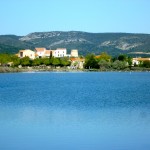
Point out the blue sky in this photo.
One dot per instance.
(21, 17)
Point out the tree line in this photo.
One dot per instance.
(5, 59)
(107, 62)
(92, 61)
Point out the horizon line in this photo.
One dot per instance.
(76, 31)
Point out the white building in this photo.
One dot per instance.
(137, 61)
(48, 53)
(60, 52)
(74, 53)
(26, 53)
(40, 52)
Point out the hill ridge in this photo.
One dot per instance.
(85, 42)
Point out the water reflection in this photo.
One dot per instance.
(67, 111)
(69, 128)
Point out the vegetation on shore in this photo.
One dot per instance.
(14, 61)
(102, 62)
(105, 62)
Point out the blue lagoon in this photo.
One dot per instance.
(75, 111)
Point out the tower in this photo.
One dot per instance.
(74, 53)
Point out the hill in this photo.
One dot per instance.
(113, 43)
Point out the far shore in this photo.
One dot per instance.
(62, 69)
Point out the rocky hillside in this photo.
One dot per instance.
(113, 43)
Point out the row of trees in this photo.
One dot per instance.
(105, 61)
(26, 61)
(145, 64)
(45, 61)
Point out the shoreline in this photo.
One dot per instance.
(30, 69)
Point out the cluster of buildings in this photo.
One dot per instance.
(43, 52)
(76, 61)
(62, 52)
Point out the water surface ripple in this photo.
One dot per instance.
(75, 111)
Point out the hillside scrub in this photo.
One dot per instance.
(85, 42)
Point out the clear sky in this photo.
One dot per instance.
(21, 17)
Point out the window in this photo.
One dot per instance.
(21, 54)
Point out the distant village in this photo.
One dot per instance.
(43, 52)
(62, 52)
(58, 53)
(60, 59)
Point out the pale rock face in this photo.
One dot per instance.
(126, 46)
(68, 41)
(41, 35)
(107, 43)
(121, 43)
(61, 39)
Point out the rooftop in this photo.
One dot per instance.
(141, 59)
(40, 49)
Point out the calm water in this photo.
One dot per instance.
(75, 111)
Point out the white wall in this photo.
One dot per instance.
(60, 52)
(28, 53)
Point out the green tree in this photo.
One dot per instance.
(51, 54)
(15, 60)
(122, 58)
(51, 60)
(104, 56)
(36, 62)
(65, 61)
(130, 61)
(91, 62)
(56, 62)
(119, 65)
(4, 58)
(146, 64)
(103, 64)
(25, 61)
(46, 61)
